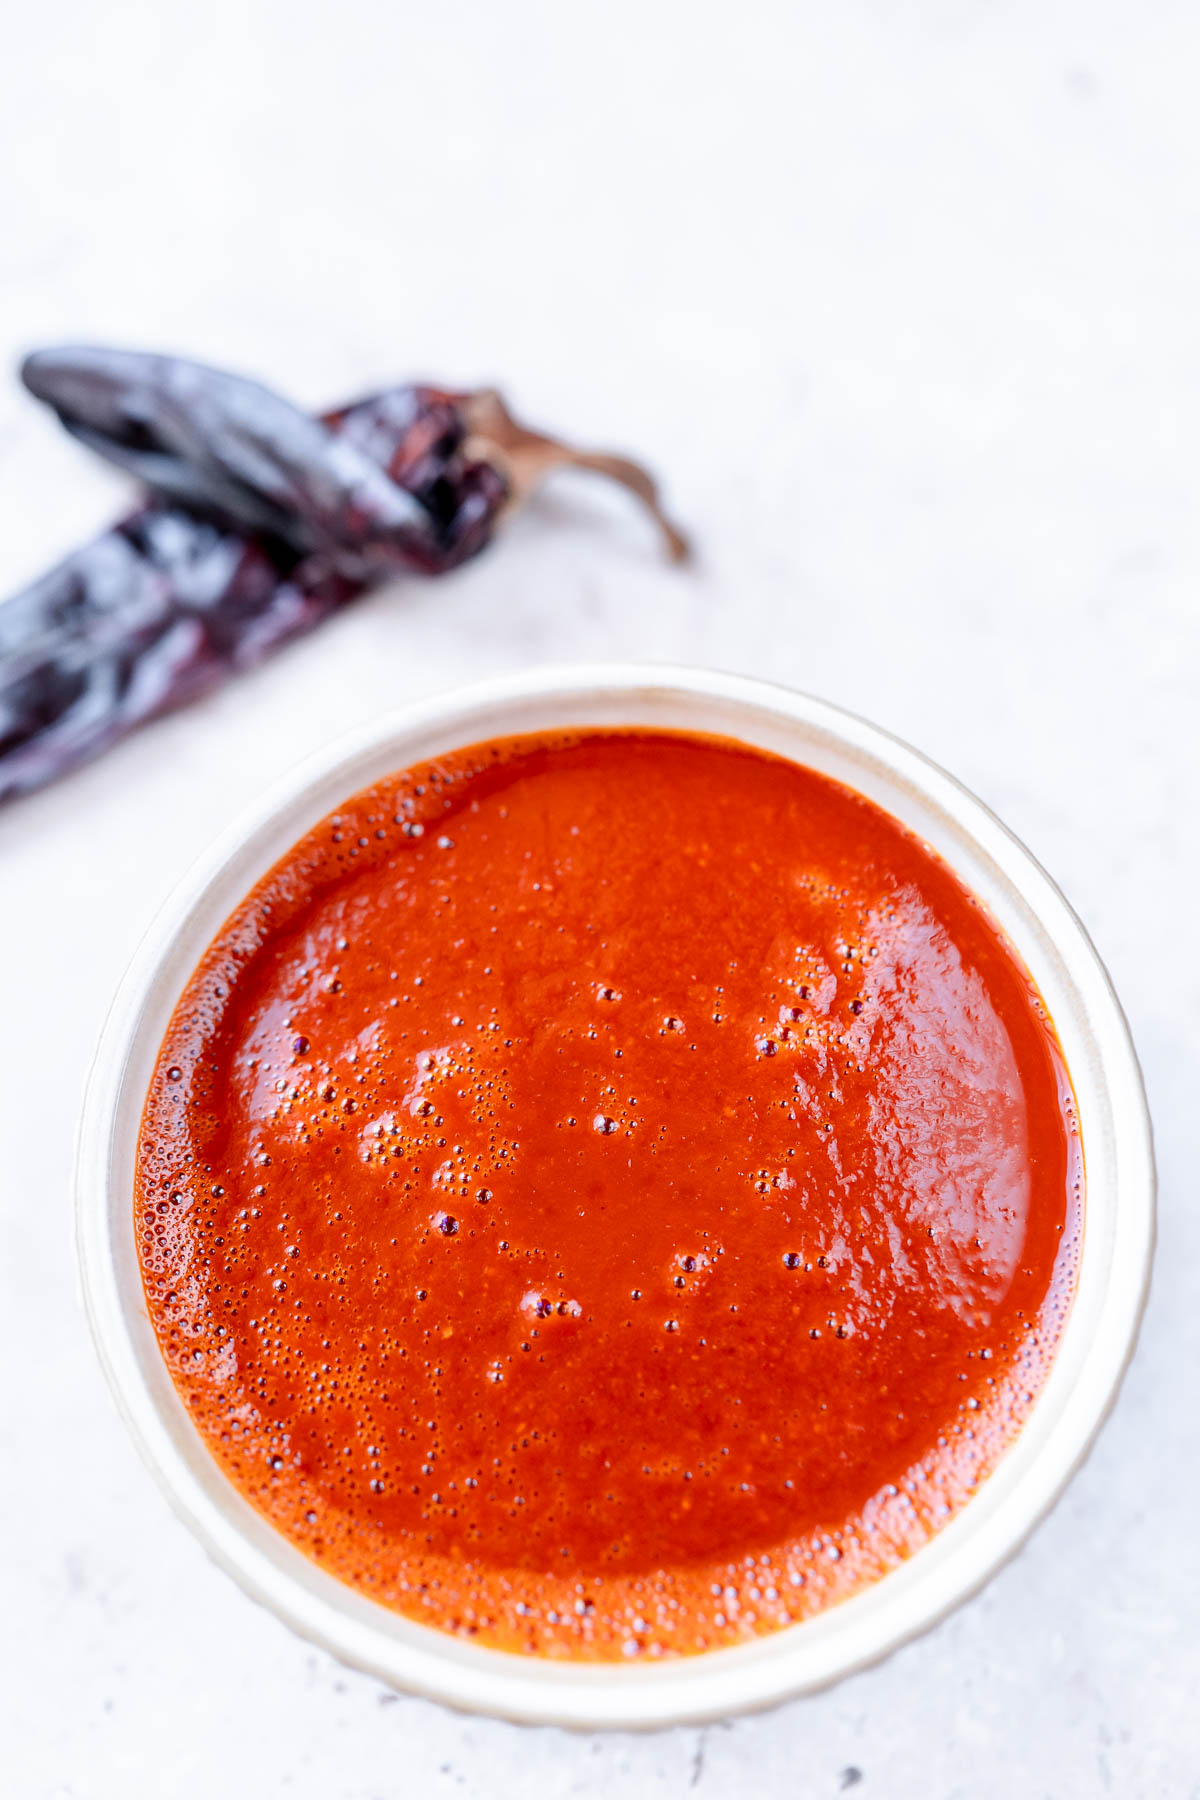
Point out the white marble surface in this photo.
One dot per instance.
(903, 299)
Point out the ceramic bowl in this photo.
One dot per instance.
(1095, 1347)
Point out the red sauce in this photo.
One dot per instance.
(609, 1194)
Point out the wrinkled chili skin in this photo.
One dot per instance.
(178, 597)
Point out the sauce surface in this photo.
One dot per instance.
(609, 1195)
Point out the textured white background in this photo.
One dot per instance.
(904, 299)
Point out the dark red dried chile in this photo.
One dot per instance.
(261, 522)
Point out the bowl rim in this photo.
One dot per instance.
(1098, 1339)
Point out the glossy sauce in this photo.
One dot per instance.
(609, 1195)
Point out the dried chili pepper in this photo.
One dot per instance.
(260, 522)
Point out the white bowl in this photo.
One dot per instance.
(1094, 1350)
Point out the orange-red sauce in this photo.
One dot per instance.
(608, 1194)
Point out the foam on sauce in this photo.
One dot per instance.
(609, 1195)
